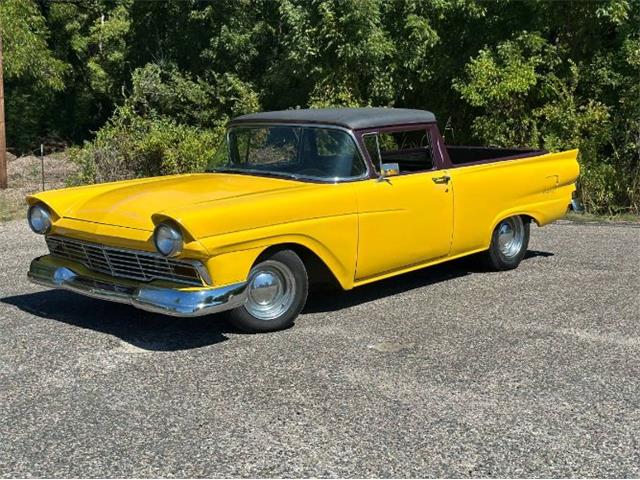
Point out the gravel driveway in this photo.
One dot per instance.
(450, 371)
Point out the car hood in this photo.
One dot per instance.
(133, 203)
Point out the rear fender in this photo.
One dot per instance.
(542, 213)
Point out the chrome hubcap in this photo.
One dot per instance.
(271, 290)
(511, 236)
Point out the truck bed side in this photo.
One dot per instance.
(485, 193)
(466, 155)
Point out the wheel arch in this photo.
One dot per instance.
(530, 218)
(232, 263)
(527, 216)
(318, 270)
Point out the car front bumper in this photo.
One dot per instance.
(178, 302)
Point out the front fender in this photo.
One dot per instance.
(333, 241)
(234, 232)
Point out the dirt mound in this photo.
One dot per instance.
(28, 171)
(25, 177)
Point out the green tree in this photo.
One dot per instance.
(27, 56)
(553, 75)
(31, 71)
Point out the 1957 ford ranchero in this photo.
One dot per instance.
(293, 197)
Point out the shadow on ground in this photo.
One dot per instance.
(329, 301)
(156, 332)
(142, 329)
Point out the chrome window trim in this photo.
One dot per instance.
(197, 265)
(377, 137)
(365, 175)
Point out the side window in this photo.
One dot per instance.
(410, 149)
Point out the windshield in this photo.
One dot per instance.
(317, 153)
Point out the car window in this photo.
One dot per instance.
(266, 146)
(332, 142)
(333, 152)
(297, 152)
(410, 149)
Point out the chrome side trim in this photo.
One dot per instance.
(168, 301)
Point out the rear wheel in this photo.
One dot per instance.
(509, 243)
(276, 293)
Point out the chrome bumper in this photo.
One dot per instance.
(169, 301)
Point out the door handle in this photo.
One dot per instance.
(442, 179)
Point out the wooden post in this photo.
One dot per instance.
(3, 138)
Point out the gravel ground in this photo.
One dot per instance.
(449, 371)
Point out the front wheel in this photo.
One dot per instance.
(276, 293)
(509, 244)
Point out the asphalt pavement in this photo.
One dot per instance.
(450, 371)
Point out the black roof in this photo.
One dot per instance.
(353, 118)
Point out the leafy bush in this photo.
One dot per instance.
(525, 94)
(204, 102)
(169, 124)
(131, 146)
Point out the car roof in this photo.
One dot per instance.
(353, 118)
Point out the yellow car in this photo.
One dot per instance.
(295, 197)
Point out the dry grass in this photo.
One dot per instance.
(25, 177)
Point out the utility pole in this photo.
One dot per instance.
(3, 138)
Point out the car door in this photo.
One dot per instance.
(404, 219)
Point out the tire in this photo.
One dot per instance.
(276, 294)
(509, 243)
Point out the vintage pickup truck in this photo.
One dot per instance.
(295, 197)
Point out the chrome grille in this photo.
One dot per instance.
(132, 264)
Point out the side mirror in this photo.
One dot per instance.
(390, 169)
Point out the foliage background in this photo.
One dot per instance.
(145, 87)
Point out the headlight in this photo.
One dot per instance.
(168, 239)
(39, 219)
